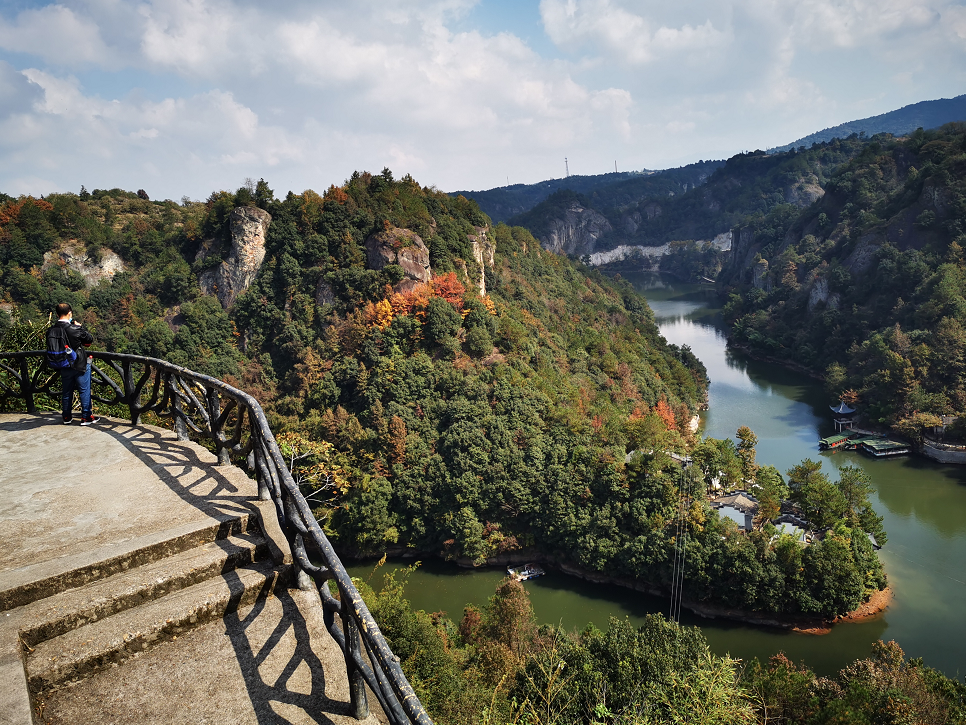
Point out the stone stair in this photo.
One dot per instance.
(80, 622)
(147, 584)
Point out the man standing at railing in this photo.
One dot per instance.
(76, 374)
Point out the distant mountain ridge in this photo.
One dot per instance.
(613, 189)
(648, 210)
(925, 115)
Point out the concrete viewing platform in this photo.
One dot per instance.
(141, 583)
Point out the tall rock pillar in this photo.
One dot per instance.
(231, 278)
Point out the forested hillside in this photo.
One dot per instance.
(443, 386)
(868, 284)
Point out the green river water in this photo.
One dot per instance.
(923, 503)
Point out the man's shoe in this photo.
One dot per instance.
(68, 419)
(91, 420)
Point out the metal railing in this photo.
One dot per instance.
(235, 425)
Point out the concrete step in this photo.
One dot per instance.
(53, 616)
(80, 652)
(30, 583)
(271, 662)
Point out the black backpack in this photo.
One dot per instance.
(60, 356)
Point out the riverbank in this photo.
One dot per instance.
(803, 624)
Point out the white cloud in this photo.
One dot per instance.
(849, 23)
(609, 28)
(17, 93)
(57, 35)
(191, 95)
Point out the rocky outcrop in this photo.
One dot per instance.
(483, 253)
(863, 256)
(820, 295)
(631, 223)
(804, 193)
(323, 293)
(577, 232)
(231, 278)
(402, 247)
(723, 241)
(646, 255)
(760, 274)
(75, 258)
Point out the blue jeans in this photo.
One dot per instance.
(71, 379)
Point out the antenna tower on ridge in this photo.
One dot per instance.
(567, 167)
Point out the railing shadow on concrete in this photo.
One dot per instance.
(234, 425)
(267, 694)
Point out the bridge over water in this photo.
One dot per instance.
(145, 579)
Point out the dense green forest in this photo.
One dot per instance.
(498, 666)
(868, 284)
(534, 419)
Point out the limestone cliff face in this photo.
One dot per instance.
(820, 295)
(75, 258)
(231, 278)
(402, 247)
(483, 253)
(576, 232)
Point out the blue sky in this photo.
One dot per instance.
(183, 97)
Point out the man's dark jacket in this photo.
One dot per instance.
(78, 338)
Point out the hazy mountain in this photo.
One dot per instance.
(925, 114)
(616, 189)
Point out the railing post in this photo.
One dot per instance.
(214, 412)
(27, 386)
(179, 426)
(264, 491)
(358, 701)
(127, 381)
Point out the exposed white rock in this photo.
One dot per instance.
(231, 278)
(626, 251)
(819, 294)
(483, 253)
(402, 247)
(577, 232)
(74, 257)
(722, 241)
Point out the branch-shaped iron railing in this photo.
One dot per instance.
(234, 424)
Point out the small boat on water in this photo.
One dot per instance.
(527, 571)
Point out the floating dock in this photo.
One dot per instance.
(874, 445)
(883, 448)
(527, 571)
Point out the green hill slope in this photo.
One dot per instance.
(868, 283)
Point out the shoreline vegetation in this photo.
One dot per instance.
(868, 610)
(497, 664)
